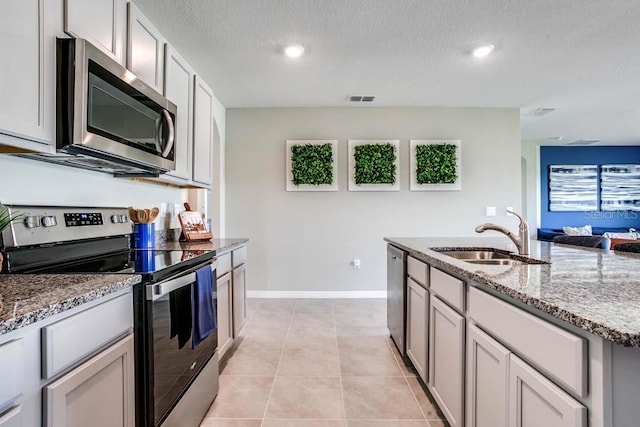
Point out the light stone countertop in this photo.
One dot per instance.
(29, 298)
(595, 290)
(219, 246)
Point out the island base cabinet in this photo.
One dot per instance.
(487, 380)
(225, 322)
(239, 300)
(98, 393)
(12, 417)
(534, 401)
(417, 326)
(446, 360)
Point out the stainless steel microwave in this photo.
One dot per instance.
(107, 119)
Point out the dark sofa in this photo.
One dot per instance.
(547, 234)
(628, 247)
(599, 242)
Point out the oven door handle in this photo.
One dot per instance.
(161, 289)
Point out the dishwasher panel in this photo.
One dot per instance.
(396, 296)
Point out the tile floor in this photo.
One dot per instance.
(318, 363)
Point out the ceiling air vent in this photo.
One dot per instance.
(539, 112)
(361, 98)
(584, 142)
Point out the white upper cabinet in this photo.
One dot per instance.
(178, 88)
(203, 132)
(102, 22)
(145, 49)
(27, 73)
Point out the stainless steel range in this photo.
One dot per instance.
(176, 378)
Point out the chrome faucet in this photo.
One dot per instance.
(521, 241)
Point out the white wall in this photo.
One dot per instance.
(217, 195)
(531, 188)
(26, 181)
(303, 241)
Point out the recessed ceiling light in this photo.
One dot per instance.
(482, 51)
(294, 51)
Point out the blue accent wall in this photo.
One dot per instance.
(585, 156)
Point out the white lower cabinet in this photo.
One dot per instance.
(239, 299)
(225, 322)
(534, 401)
(487, 380)
(469, 358)
(98, 393)
(12, 417)
(446, 360)
(417, 326)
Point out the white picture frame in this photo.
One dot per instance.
(413, 180)
(290, 186)
(352, 144)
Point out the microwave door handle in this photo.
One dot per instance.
(159, 134)
(172, 134)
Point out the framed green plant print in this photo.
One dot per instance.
(312, 165)
(436, 165)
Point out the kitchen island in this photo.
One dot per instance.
(553, 342)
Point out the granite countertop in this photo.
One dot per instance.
(219, 246)
(28, 298)
(596, 290)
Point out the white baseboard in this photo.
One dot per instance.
(317, 294)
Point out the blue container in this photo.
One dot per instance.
(145, 261)
(144, 235)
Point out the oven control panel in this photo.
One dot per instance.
(80, 219)
(38, 225)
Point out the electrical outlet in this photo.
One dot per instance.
(356, 264)
(490, 211)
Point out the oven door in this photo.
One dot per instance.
(171, 364)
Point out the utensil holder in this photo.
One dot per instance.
(144, 235)
(145, 261)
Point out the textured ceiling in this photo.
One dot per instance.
(581, 57)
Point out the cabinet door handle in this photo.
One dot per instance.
(394, 257)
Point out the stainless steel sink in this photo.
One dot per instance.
(476, 255)
(489, 256)
(495, 261)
